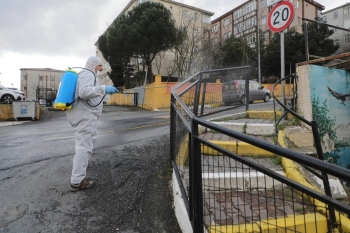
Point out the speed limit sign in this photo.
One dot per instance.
(280, 16)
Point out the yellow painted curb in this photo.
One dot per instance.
(240, 148)
(182, 154)
(300, 223)
(292, 171)
(257, 114)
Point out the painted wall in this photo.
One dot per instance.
(157, 95)
(326, 92)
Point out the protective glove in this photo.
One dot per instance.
(111, 90)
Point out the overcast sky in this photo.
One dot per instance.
(61, 33)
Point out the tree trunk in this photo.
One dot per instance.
(149, 72)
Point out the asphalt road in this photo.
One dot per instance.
(130, 166)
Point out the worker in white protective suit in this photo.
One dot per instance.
(84, 115)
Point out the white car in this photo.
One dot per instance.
(8, 95)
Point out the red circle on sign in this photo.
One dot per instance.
(275, 9)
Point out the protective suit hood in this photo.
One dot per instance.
(92, 62)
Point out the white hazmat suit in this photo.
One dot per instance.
(84, 116)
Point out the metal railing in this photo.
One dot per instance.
(45, 96)
(226, 192)
(313, 124)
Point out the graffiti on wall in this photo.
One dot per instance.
(330, 97)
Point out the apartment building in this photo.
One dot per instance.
(31, 78)
(247, 18)
(182, 14)
(339, 16)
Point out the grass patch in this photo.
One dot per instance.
(244, 129)
(223, 119)
(277, 160)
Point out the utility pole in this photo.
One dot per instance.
(258, 36)
(282, 68)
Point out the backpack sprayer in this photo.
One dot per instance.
(66, 90)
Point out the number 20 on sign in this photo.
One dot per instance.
(281, 16)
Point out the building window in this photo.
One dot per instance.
(184, 14)
(214, 28)
(263, 20)
(24, 88)
(347, 39)
(251, 38)
(206, 18)
(336, 15)
(52, 79)
(346, 10)
(263, 3)
(24, 77)
(41, 78)
(336, 41)
(299, 20)
(195, 16)
(235, 15)
(227, 35)
(324, 19)
(142, 1)
(227, 22)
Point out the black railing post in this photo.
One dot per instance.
(246, 89)
(197, 180)
(172, 128)
(327, 189)
(203, 97)
(136, 99)
(191, 189)
(196, 96)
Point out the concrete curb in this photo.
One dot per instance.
(10, 123)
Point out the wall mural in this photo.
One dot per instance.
(330, 98)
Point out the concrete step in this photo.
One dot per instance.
(248, 123)
(228, 174)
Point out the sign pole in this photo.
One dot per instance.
(280, 17)
(282, 68)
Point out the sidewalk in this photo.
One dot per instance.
(10, 123)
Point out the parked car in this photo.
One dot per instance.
(8, 95)
(234, 91)
(17, 90)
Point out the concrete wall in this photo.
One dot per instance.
(323, 96)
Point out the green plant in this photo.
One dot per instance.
(299, 210)
(275, 139)
(282, 126)
(325, 124)
(295, 121)
(277, 160)
(244, 129)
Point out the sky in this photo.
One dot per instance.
(58, 34)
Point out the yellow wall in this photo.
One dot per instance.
(157, 94)
(122, 99)
(6, 112)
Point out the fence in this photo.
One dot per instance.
(224, 192)
(45, 96)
